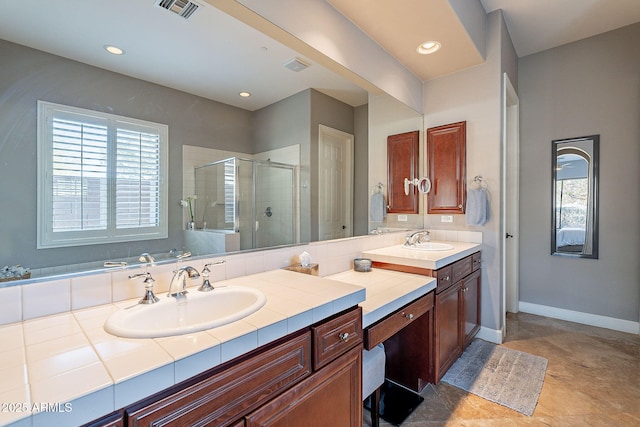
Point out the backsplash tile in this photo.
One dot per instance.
(42, 299)
(10, 304)
(57, 296)
(88, 291)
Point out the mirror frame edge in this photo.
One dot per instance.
(594, 208)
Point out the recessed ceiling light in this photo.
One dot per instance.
(428, 47)
(113, 49)
(245, 94)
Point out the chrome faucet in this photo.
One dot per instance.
(417, 237)
(179, 280)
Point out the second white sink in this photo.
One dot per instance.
(197, 312)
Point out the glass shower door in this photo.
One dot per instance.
(275, 205)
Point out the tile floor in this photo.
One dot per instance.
(592, 379)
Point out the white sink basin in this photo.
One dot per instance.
(197, 312)
(431, 246)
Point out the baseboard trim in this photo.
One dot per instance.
(492, 335)
(579, 317)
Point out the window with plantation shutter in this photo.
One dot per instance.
(100, 177)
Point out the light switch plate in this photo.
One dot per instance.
(446, 218)
(402, 218)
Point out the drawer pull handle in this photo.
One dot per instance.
(408, 316)
(344, 336)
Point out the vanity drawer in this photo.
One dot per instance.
(390, 325)
(444, 279)
(475, 261)
(461, 269)
(334, 337)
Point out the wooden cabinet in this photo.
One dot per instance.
(312, 377)
(331, 397)
(448, 345)
(470, 290)
(457, 311)
(222, 396)
(402, 162)
(446, 154)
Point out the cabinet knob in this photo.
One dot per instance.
(408, 316)
(344, 336)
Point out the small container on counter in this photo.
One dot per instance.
(362, 264)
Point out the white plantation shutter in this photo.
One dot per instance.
(230, 191)
(79, 176)
(137, 179)
(100, 177)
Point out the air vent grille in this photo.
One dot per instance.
(184, 8)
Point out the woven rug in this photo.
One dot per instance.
(507, 377)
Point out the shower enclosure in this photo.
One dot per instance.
(254, 198)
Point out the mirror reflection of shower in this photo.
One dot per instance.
(254, 199)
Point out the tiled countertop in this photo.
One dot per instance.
(387, 291)
(433, 260)
(66, 370)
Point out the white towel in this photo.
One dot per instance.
(378, 207)
(477, 207)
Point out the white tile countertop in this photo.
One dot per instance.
(65, 369)
(433, 260)
(387, 290)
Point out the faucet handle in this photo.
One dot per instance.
(206, 284)
(149, 297)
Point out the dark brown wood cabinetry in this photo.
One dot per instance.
(330, 397)
(446, 154)
(407, 335)
(457, 311)
(403, 151)
(310, 376)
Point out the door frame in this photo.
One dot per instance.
(510, 200)
(348, 202)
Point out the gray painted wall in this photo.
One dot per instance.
(27, 75)
(588, 87)
(474, 95)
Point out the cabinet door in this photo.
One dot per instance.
(330, 397)
(448, 343)
(446, 151)
(471, 301)
(239, 387)
(402, 162)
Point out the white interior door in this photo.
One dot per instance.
(511, 146)
(335, 188)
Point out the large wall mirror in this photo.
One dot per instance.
(575, 197)
(193, 90)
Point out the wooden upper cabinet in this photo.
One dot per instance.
(446, 152)
(403, 151)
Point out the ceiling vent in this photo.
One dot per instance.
(296, 64)
(184, 8)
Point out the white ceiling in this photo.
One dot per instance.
(534, 25)
(215, 56)
(211, 54)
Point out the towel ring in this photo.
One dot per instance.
(480, 182)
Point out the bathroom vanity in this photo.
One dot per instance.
(456, 303)
(314, 372)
